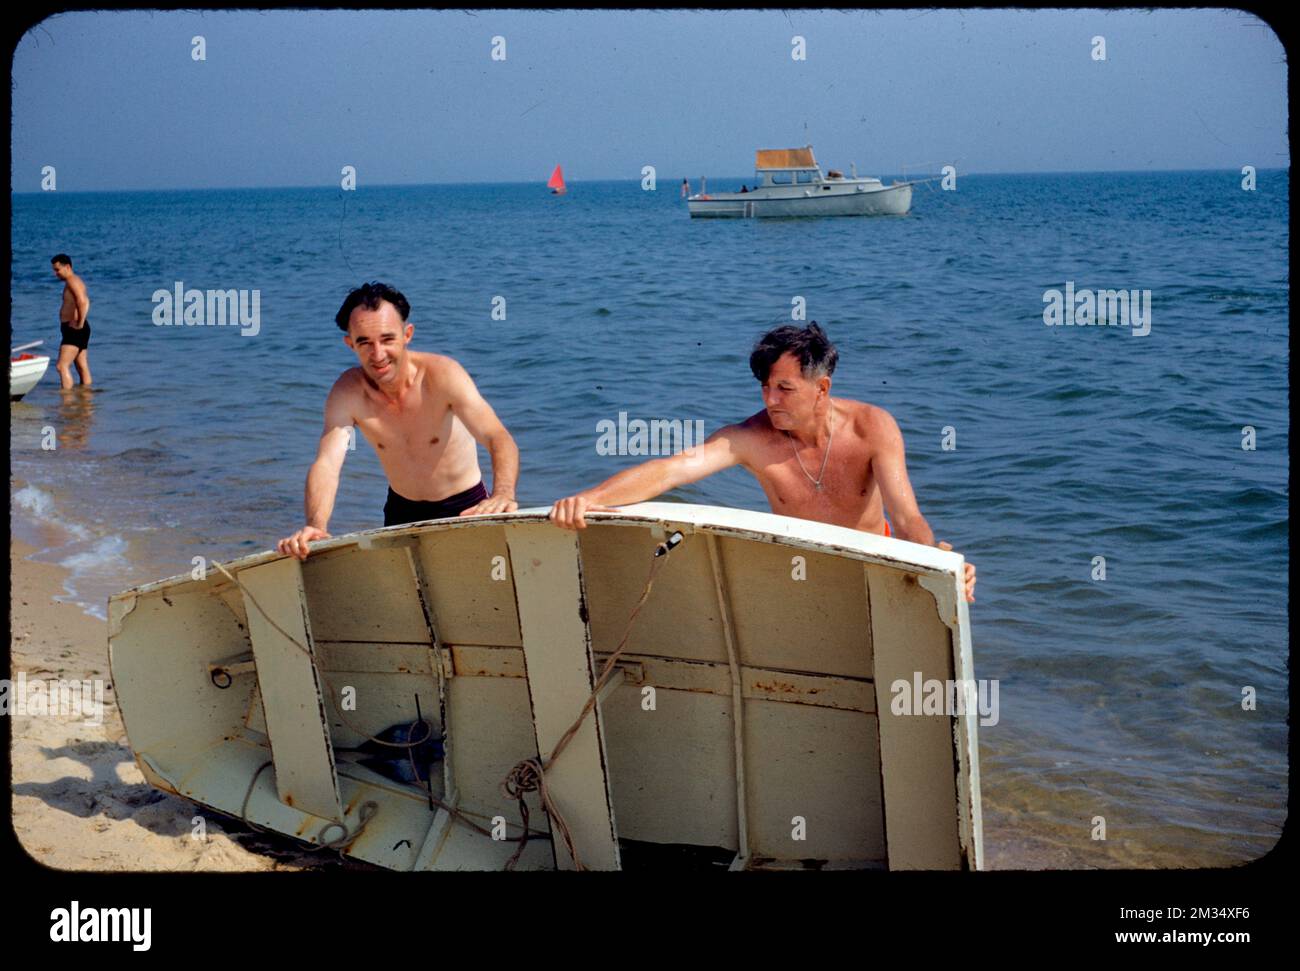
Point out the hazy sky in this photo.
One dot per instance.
(116, 100)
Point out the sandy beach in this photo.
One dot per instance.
(79, 800)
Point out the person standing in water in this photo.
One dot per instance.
(423, 415)
(796, 432)
(74, 329)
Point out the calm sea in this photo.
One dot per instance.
(1119, 698)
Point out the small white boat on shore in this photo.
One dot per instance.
(791, 183)
(746, 718)
(25, 370)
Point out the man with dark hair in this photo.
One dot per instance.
(787, 447)
(423, 415)
(74, 331)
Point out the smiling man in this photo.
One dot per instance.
(832, 460)
(423, 415)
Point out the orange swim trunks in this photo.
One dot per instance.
(887, 531)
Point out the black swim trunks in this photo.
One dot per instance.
(399, 510)
(78, 337)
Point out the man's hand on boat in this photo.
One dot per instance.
(296, 545)
(970, 573)
(505, 502)
(568, 513)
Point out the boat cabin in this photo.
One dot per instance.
(786, 166)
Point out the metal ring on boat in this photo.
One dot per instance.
(221, 672)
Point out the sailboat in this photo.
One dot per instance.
(556, 183)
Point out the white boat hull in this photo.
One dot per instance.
(24, 375)
(817, 200)
(751, 720)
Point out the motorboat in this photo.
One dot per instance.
(791, 183)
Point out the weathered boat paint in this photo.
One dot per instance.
(767, 647)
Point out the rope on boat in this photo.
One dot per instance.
(248, 793)
(529, 775)
(461, 816)
(319, 673)
(369, 810)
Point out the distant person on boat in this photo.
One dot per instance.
(832, 460)
(744, 188)
(686, 188)
(74, 330)
(423, 415)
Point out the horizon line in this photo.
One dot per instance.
(542, 184)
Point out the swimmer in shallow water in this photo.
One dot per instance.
(74, 329)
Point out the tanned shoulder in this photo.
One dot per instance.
(348, 384)
(431, 360)
(438, 370)
(865, 414)
(869, 422)
(878, 425)
(756, 423)
(749, 435)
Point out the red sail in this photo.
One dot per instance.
(557, 180)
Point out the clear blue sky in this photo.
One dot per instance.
(115, 101)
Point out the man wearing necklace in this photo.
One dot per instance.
(798, 428)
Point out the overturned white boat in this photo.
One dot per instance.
(746, 719)
(791, 183)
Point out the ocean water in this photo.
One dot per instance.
(1119, 698)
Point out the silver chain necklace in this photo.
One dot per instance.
(817, 482)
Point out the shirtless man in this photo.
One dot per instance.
(788, 447)
(421, 412)
(74, 331)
